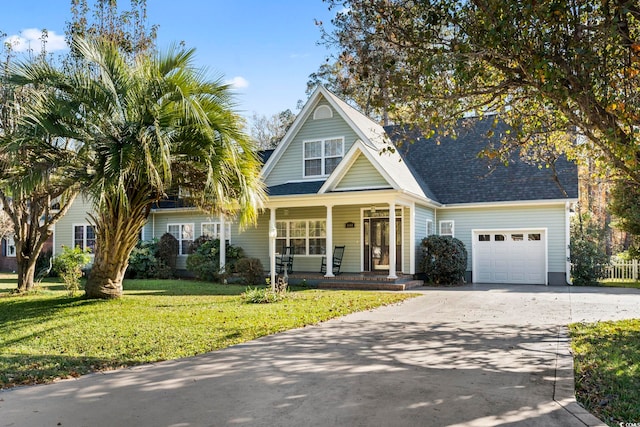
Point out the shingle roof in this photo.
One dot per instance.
(264, 155)
(456, 174)
(310, 187)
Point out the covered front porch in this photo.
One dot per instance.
(359, 221)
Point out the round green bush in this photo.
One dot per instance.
(444, 260)
(587, 262)
(251, 271)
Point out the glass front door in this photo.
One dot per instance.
(376, 244)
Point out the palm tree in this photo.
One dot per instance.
(143, 127)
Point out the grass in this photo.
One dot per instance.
(607, 369)
(49, 335)
(618, 284)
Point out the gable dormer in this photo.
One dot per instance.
(314, 146)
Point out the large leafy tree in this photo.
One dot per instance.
(36, 189)
(625, 205)
(541, 66)
(127, 28)
(143, 127)
(268, 131)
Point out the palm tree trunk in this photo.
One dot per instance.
(105, 279)
(117, 231)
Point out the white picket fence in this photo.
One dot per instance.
(618, 270)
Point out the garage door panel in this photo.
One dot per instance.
(510, 257)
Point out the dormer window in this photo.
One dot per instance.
(322, 156)
(322, 112)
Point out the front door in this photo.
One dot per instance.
(376, 244)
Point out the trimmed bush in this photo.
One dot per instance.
(587, 262)
(251, 271)
(168, 250)
(145, 264)
(444, 260)
(204, 259)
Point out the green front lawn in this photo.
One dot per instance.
(618, 284)
(49, 335)
(607, 369)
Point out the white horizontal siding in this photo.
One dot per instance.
(362, 174)
(422, 215)
(501, 218)
(290, 165)
(77, 214)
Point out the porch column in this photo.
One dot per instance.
(412, 238)
(329, 246)
(223, 243)
(392, 241)
(272, 247)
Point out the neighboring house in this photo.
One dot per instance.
(8, 260)
(330, 183)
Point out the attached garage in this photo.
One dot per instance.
(510, 256)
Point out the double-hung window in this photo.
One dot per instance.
(84, 237)
(184, 234)
(9, 249)
(308, 237)
(429, 227)
(212, 230)
(446, 228)
(322, 156)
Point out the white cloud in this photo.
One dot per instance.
(238, 82)
(29, 39)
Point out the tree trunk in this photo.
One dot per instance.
(105, 278)
(26, 273)
(117, 231)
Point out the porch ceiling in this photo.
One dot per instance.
(365, 197)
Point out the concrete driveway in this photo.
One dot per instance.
(477, 355)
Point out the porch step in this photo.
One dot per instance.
(371, 285)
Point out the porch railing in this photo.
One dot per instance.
(618, 270)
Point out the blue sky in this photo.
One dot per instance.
(269, 47)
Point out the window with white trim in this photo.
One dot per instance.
(9, 247)
(84, 237)
(308, 237)
(446, 228)
(184, 234)
(429, 227)
(322, 156)
(212, 230)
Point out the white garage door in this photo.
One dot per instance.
(516, 256)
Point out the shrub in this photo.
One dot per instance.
(142, 260)
(587, 262)
(262, 296)
(444, 260)
(69, 266)
(145, 264)
(204, 259)
(250, 270)
(168, 250)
